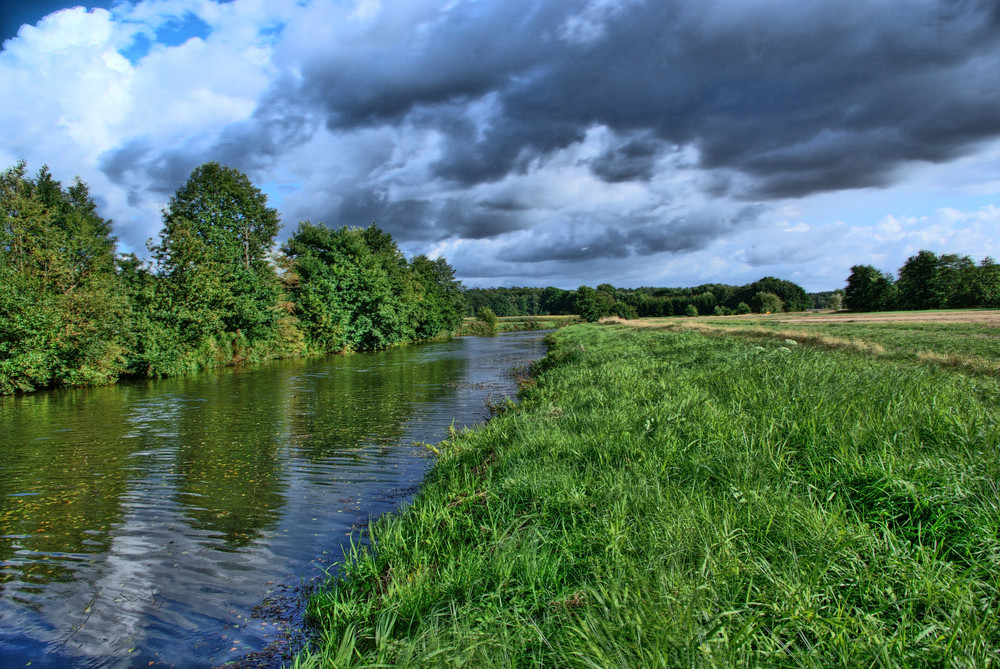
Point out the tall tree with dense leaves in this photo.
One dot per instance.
(351, 287)
(438, 300)
(919, 283)
(956, 277)
(987, 285)
(869, 289)
(594, 304)
(58, 287)
(222, 291)
(767, 303)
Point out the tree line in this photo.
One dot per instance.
(925, 281)
(73, 311)
(767, 295)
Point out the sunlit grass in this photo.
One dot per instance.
(971, 347)
(670, 499)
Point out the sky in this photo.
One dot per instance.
(566, 142)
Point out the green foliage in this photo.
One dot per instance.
(74, 314)
(986, 289)
(351, 287)
(926, 281)
(676, 500)
(919, 284)
(868, 289)
(593, 305)
(830, 299)
(767, 303)
(59, 293)
(487, 319)
(214, 258)
(438, 303)
(743, 308)
(606, 300)
(690, 310)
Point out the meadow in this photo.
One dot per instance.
(474, 326)
(680, 495)
(966, 339)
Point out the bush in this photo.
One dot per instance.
(767, 303)
(486, 316)
(691, 310)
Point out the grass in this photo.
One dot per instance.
(972, 347)
(472, 326)
(670, 498)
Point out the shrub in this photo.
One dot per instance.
(486, 316)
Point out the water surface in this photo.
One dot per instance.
(149, 524)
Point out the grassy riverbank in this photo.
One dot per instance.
(676, 498)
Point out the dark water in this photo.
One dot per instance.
(144, 525)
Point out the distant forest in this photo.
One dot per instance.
(74, 312)
(765, 295)
(925, 281)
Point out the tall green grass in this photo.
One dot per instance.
(669, 499)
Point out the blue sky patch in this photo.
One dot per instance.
(176, 31)
(137, 50)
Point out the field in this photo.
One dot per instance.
(702, 493)
(472, 326)
(968, 339)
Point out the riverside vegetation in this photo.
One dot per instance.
(73, 312)
(671, 497)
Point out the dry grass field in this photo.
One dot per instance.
(979, 316)
(960, 339)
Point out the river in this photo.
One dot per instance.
(163, 523)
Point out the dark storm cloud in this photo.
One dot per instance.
(420, 220)
(249, 146)
(771, 99)
(608, 243)
(633, 160)
(754, 86)
(643, 238)
(136, 161)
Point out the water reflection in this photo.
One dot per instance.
(140, 524)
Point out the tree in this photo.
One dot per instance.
(486, 316)
(987, 285)
(956, 278)
(439, 301)
(767, 303)
(593, 305)
(351, 287)
(214, 254)
(869, 289)
(690, 310)
(919, 284)
(59, 294)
